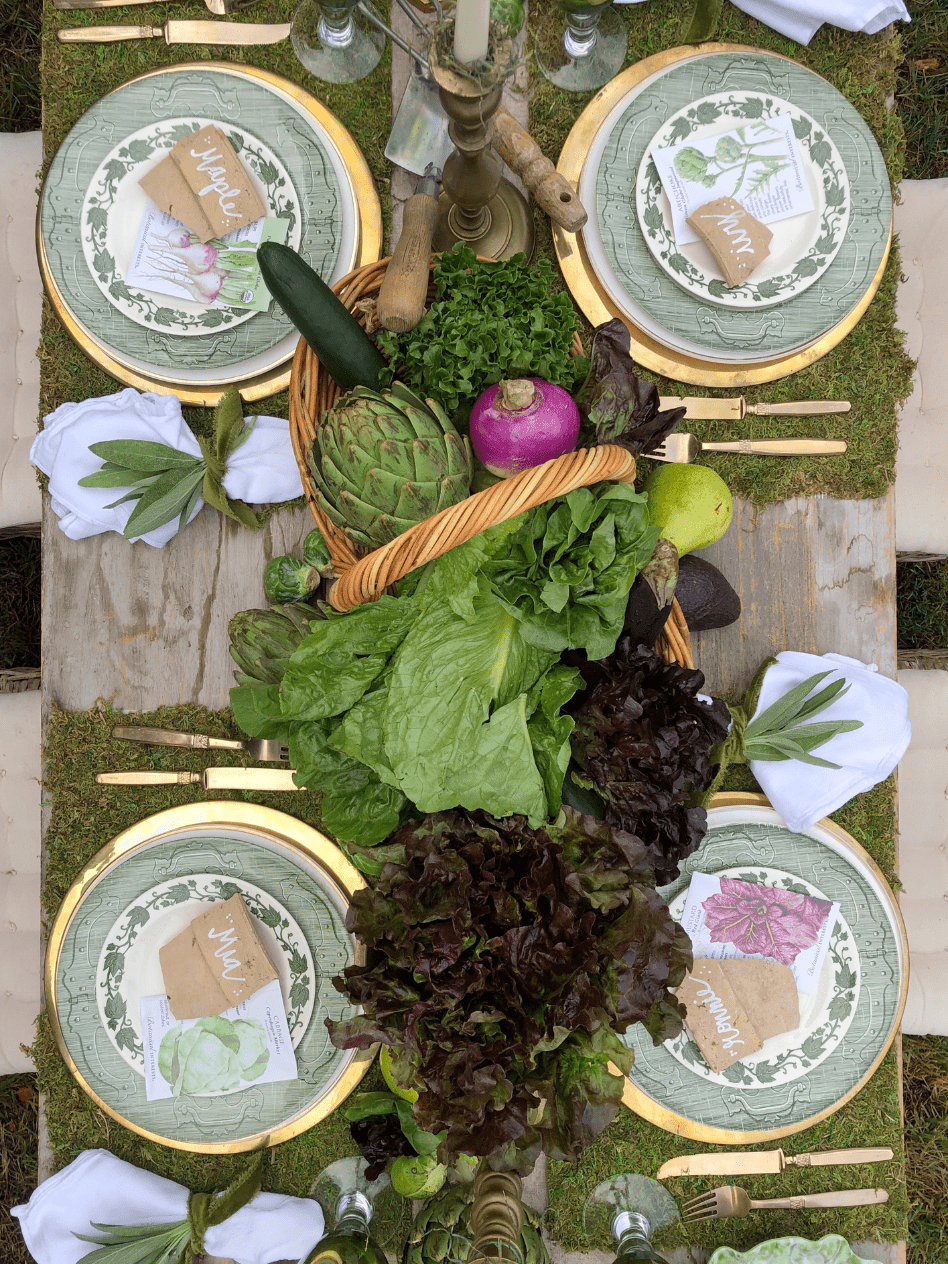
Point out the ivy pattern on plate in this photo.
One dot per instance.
(111, 988)
(105, 190)
(827, 225)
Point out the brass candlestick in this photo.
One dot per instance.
(477, 204)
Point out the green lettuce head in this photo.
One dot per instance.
(214, 1055)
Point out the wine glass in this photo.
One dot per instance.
(334, 42)
(630, 1208)
(355, 1232)
(590, 51)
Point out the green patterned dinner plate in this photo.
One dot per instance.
(802, 247)
(263, 112)
(641, 288)
(134, 893)
(825, 1015)
(129, 967)
(831, 1249)
(847, 1025)
(113, 209)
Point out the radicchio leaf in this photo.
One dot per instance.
(616, 405)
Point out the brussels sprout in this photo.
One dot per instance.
(214, 1055)
(316, 553)
(288, 579)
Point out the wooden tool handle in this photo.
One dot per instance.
(780, 447)
(839, 1198)
(401, 301)
(801, 408)
(107, 34)
(523, 155)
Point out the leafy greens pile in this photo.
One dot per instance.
(507, 959)
(488, 321)
(643, 741)
(450, 694)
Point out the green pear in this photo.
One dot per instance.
(690, 504)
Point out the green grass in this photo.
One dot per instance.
(20, 106)
(922, 90)
(922, 605)
(20, 569)
(925, 1078)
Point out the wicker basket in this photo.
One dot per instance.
(19, 680)
(365, 578)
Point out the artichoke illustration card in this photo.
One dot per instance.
(244, 1046)
(759, 164)
(729, 919)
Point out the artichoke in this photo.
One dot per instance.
(261, 641)
(383, 462)
(442, 1234)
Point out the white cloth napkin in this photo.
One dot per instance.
(98, 1188)
(801, 19)
(803, 793)
(263, 469)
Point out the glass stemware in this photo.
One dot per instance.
(630, 1208)
(355, 1231)
(590, 51)
(334, 42)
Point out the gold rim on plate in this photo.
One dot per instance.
(293, 836)
(646, 1107)
(597, 305)
(366, 199)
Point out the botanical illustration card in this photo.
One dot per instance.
(758, 164)
(728, 918)
(249, 1044)
(223, 272)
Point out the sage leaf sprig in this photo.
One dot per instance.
(168, 483)
(138, 1244)
(781, 731)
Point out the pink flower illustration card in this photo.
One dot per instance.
(728, 918)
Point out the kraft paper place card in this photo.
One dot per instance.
(729, 918)
(203, 184)
(739, 242)
(759, 164)
(216, 962)
(768, 992)
(722, 1029)
(246, 1045)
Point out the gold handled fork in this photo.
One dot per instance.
(731, 1200)
(684, 448)
(266, 750)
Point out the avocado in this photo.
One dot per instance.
(707, 600)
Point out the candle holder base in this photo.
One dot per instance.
(508, 227)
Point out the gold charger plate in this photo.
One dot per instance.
(745, 831)
(304, 112)
(304, 873)
(598, 305)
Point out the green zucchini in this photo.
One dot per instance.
(336, 337)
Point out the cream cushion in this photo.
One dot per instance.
(20, 937)
(921, 468)
(923, 851)
(21, 156)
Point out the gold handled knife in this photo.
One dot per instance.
(181, 31)
(743, 1163)
(737, 408)
(210, 778)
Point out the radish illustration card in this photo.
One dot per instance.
(728, 918)
(168, 259)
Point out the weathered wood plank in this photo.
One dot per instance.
(144, 627)
(815, 575)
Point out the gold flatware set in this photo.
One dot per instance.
(264, 749)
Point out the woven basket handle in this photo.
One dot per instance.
(366, 579)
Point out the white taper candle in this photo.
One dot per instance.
(471, 29)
